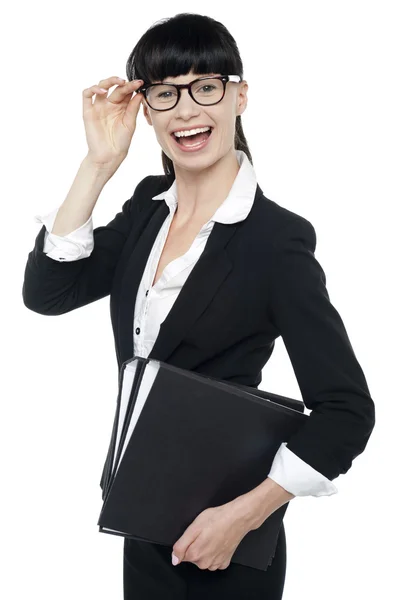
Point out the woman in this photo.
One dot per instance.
(216, 272)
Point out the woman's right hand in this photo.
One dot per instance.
(110, 122)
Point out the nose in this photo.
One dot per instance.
(186, 104)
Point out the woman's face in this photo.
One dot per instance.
(188, 114)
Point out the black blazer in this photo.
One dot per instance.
(255, 280)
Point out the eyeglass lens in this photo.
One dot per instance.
(206, 91)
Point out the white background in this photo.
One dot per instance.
(322, 127)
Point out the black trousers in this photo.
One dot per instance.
(148, 574)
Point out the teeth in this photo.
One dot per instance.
(190, 132)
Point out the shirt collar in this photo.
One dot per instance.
(240, 198)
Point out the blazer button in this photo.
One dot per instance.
(146, 293)
(137, 329)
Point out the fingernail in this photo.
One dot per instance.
(175, 560)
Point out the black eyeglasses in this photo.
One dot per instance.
(205, 91)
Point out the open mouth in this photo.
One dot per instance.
(193, 139)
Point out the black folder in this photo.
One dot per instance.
(182, 442)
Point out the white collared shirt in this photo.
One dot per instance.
(153, 303)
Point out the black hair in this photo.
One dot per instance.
(177, 45)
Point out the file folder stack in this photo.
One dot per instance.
(183, 442)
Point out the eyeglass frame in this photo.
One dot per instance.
(224, 78)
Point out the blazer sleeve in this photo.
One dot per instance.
(331, 381)
(52, 287)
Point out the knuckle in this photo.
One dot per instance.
(191, 556)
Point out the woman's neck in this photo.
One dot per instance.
(200, 194)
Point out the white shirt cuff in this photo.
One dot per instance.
(73, 246)
(298, 477)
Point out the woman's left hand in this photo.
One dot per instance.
(212, 538)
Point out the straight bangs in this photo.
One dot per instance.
(171, 49)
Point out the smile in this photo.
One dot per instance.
(193, 146)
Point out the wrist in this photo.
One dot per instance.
(257, 505)
(108, 168)
(248, 509)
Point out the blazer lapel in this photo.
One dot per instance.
(197, 292)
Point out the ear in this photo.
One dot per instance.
(146, 112)
(242, 98)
